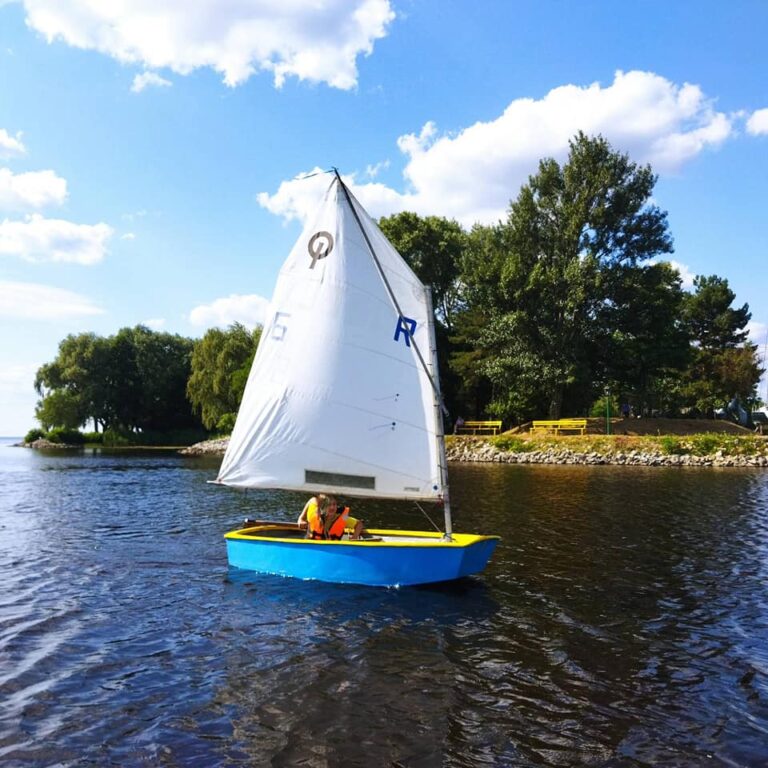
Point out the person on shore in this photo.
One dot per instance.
(323, 518)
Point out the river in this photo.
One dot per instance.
(622, 622)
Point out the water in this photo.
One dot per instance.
(622, 622)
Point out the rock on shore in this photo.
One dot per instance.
(207, 448)
(41, 442)
(485, 452)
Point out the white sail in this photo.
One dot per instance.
(337, 399)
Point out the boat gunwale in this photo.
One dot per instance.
(430, 539)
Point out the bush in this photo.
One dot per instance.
(34, 434)
(66, 436)
(511, 444)
(673, 446)
(114, 437)
(93, 437)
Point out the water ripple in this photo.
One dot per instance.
(622, 623)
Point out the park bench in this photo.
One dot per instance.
(479, 427)
(556, 426)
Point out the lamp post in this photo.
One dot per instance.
(607, 410)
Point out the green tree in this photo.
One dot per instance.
(221, 361)
(134, 380)
(60, 408)
(712, 321)
(544, 274)
(163, 366)
(724, 365)
(78, 370)
(646, 341)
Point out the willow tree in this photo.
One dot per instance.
(221, 361)
(545, 273)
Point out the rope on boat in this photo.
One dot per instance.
(424, 512)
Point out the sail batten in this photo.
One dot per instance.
(339, 387)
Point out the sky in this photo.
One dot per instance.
(152, 151)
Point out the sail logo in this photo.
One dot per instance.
(319, 246)
(407, 327)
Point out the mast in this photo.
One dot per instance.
(438, 409)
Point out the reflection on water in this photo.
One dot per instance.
(622, 622)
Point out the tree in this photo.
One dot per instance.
(724, 365)
(134, 380)
(221, 362)
(61, 408)
(78, 370)
(545, 273)
(646, 340)
(712, 322)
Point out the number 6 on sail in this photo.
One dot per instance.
(332, 405)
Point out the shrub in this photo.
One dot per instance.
(66, 436)
(114, 437)
(34, 434)
(511, 443)
(673, 445)
(93, 437)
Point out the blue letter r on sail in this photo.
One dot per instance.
(407, 327)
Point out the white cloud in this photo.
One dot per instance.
(372, 171)
(11, 146)
(17, 378)
(250, 310)
(316, 41)
(757, 124)
(758, 333)
(128, 236)
(298, 198)
(33, 301)
(155, 323)
(40, 239)
(35, 189)
(686, 274)
(472, 175)
(145, 79)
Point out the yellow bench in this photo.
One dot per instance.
(556, 426)
(479, 427)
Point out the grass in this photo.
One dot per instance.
(704, 444)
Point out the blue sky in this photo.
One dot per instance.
(148, 158)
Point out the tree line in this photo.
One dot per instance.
(570, 300)
(139, 381)
(566, 302)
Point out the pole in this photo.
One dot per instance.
(439, 429)
(607, 411)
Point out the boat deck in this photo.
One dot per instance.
(290, 532)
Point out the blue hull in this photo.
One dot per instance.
(377, 564)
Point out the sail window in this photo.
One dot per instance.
(313, 477)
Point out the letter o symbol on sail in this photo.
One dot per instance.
(319, 246)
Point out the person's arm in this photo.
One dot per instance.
(357, 530)
(302, 521)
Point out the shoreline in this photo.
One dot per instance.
(478, 450)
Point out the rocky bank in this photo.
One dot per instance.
(480, 451)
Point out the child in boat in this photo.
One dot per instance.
(325, 519)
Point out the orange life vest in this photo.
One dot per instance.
(316, 528)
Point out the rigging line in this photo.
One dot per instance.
(423, 512)
(391, 293)
(316, 173)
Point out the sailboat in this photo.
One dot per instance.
(343, 398)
